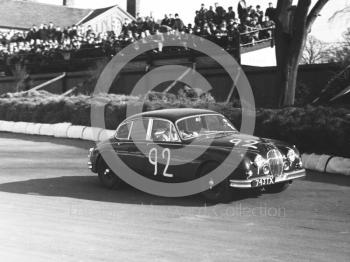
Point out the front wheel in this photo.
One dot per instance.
(107, 178)
(277, 188)
(219, 193)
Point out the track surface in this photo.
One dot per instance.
(53, 209)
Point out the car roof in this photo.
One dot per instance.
(173, 114)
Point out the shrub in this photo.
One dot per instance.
(312, 129)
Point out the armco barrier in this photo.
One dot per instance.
(76, 132)
(92, 133)
(60, 130)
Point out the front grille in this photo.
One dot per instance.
(275, 160)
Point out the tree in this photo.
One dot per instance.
(341, 52)
(293, 24)
(315, 51)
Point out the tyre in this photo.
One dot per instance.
(277, 188)
(107, 178)
(219, 193)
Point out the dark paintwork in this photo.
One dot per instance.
(217, 151)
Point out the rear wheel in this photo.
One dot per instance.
(107, 178)
(219, 193)
(277, 188)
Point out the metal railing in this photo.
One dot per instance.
(80, 59)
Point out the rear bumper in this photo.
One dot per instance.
(252, 183)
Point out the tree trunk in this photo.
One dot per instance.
(288, 55)
(293, 24)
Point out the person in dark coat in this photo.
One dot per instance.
(33, 33)
(230, 14)
(242, 11)
(43, 33)
(51, 31)
(165, 21)
(210, 14)
(220, 14)
(271, 12)
(259, 13)
(178, 24)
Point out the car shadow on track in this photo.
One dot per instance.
(89, 188)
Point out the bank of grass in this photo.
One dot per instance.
(319, 129)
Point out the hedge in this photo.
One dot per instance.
(323, 130)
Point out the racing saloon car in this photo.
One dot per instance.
(267, 164)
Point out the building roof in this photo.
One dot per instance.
(173, 114)
(95, 13)
(18, 14)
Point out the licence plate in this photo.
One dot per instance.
(263, 181)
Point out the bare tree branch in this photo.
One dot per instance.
(314, 13)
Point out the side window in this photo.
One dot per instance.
(164, 131)
(139, 129)
(123, 131)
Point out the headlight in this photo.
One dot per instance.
(291, 155)
(259, 161)
(266, 170)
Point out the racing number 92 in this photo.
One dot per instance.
(153, 159)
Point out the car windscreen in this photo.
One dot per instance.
(196, 126)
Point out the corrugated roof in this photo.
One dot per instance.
(23, 14)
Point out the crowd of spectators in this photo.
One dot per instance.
(221, 26)
(224, 27)
(52, 42)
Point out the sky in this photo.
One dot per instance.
(323, 29)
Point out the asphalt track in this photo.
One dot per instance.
(53, 209)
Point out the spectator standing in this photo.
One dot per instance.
(242, 11)
(178, 24)
(220, 14)
(230, 15)
(43, 32)
(171, 20)
(51, 31)
(165, 21)
(210, 14)
(33, 33)
(259, 14)
(271, 12)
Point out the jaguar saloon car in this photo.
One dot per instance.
(266, 164)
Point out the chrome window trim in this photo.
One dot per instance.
(171, 125)
(149, 128)
(192, 116)
(122, 124)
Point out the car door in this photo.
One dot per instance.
(134, 157)
(164, 161)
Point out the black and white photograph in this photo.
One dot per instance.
(148, 130)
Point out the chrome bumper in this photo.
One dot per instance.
(252, 183)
